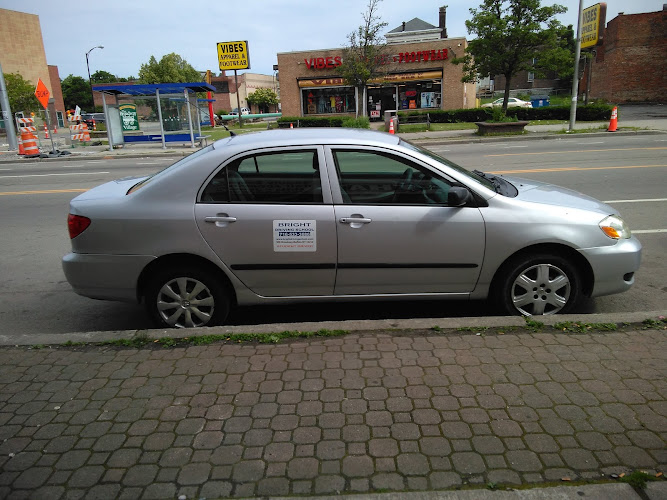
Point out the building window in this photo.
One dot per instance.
(221, 87)
(328, 101)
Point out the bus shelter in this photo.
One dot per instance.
(171, 105)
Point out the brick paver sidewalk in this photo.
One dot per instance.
(389, 411)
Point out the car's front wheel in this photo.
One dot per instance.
(186, 297)
(537, 285)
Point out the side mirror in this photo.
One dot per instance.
(458, 196)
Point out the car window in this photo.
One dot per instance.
(369, 177)
(282, 177)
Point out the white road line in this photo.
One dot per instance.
(647, 200)
(50, 175)
(509, 147)
(599, 142)
(648, 231)
(147, 163)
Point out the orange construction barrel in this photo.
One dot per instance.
(29, 144)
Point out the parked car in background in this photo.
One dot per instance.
(512, 102)
(88, 118)
(244, 111)
(339, 215)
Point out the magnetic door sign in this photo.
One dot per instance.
(294, 236)
(592, 21)
(233, 55)
(42, 93)
(128, 117)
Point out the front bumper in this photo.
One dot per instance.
(106, 277)
(614, 266)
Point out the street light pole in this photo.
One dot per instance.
(90, 81)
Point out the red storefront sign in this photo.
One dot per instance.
(423, 56)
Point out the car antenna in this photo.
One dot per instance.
(231, 132)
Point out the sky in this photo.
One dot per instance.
(131, 31)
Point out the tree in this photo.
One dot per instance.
(513, 36)
(172, 68)
(103, 77)
(363, 57)
(263, 98)
(76, 92)
(21, 93)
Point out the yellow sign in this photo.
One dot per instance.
(592, 21)
(233, 55)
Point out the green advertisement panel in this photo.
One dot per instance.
(128, 117)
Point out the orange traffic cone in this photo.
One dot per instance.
(46, 131)
(613, 123)
(55, 129)
(291, 125)
(21, 150)
(94, 125)
(391, 126)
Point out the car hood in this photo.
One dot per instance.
(113, 189)
(550, 194)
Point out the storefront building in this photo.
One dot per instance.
(417, 76)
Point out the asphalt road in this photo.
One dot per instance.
(628, 172)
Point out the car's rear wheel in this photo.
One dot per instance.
(186, 297)
(537, 285)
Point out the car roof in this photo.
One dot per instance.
(308, 136)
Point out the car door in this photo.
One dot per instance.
(396, 233)
(268, 216)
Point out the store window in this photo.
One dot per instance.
(328, 100)
(420, 95)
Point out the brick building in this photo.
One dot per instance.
(418, 75)
(631, 63)
(22, 52)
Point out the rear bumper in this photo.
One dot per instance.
(106, 277)
(614, 266)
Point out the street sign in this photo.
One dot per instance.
(42, 94)
(593, 21)
(233, 55)
(128, 116)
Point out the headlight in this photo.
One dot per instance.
(615, 227)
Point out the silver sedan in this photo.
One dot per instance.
(338, 215)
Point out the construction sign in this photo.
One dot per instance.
(233, 55)
(592, 22)
(42, 94)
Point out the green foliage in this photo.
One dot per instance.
(172, 68)
(638, 479)
(361, 122)
(513, 36)
(498, 116)
(569, 326)
(363, 56)
(76, 92)
(310, 121)
(592, 112)
(531, 324)
(21, 93)
(103, 77)
(263, 98)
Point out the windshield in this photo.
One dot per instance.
(180, 162)
(477, 178)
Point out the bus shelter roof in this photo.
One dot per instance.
(149, 89)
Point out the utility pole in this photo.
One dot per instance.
(575, 77)
(7, 114)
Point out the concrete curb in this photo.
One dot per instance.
(349, 325)
(614, 491)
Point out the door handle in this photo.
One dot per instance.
(355, 220)
(218, 218)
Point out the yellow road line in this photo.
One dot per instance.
(580, 151)
(46, 191)
(568, 169)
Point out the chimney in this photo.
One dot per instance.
(443, 22)
(403, 25)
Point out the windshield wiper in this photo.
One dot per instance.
(491, 178)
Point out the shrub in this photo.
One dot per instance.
(361, 122)
(592, 112)
(310, 121)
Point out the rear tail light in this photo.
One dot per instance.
(77, 224)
